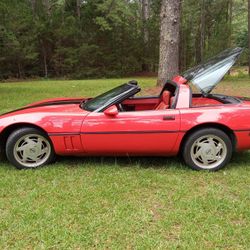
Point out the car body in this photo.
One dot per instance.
(205, 128)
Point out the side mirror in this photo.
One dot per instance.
(111, 111)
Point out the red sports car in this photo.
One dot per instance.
(204, 128)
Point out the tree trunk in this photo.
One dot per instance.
(45, 66)
(249, 37)
(200, 36)
(198, 45)
(203, 26)
(169, 40)
(33, 7)
(47, 6)
(182, 44)
(45, 63)
(230, 21)
(20, 75)
(78, 9)
(145, 18)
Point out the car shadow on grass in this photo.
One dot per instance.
(120, 162)
(142, 162)
(239, 160)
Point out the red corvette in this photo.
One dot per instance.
(204, 128)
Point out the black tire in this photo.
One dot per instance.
(207, 149)
(19, 156)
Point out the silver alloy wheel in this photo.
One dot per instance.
(208, 151)
(32, 150)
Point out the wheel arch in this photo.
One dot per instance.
(219, 126)
(9, 129)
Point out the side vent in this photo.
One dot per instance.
(71, 143)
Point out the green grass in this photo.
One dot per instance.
(16, 94)
(120, 203)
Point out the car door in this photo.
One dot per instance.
(131, 133)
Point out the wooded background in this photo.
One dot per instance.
(110, 38)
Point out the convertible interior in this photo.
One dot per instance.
(167, 100)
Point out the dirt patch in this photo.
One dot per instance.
(174, 233)
(155, 211)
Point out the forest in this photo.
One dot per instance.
(79, 39)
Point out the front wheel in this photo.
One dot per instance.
(29, 148)
(207, 149)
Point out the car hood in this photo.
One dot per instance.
(207, 75)
(51, 105)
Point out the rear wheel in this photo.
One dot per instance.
(29, 148)
(207, 149)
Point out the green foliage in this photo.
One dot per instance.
(242, 39)
(50, 38)
(17, 39)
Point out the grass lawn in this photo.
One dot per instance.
(121, 203)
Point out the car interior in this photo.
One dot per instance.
(167, 100)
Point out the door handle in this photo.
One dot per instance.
(168, 118)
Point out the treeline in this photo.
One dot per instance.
(108, 38)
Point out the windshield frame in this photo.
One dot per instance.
(131, 90)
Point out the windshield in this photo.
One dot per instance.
(207, 75)
(109, 97)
